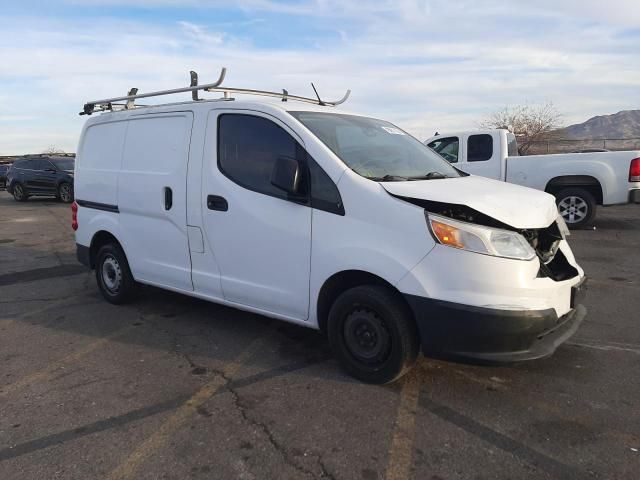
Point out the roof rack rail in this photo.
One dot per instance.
(133, 95)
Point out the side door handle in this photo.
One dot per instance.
(168, 198)
(216, 202)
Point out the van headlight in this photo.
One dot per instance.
(479, 239)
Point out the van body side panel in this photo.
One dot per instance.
(152, 198)
(98, 162)
(379, 234)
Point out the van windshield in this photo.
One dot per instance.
(376, 149)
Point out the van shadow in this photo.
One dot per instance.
(192, 329)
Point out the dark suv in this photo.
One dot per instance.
(4, 168)
(41, 176)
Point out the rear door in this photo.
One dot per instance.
(482, 155)
(152, 198)
(49, 175)
(261, 238)
(36, 176)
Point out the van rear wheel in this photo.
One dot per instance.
(113, 275)
(373, 334)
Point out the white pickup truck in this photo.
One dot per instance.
(579, 181)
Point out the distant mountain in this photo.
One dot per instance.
(625, 124)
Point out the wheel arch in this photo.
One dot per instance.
(342, 281)
(99, 239)
(586, 182)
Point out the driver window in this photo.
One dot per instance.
(447, 148)
(40, 165)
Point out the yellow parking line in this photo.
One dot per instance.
(401, 449)
(160, 437)
(48, 372)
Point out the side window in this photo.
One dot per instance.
(324, 193)
(447, 148)
(38, 164)
(479, 148)
(27, 165)
(46, 164)
(248, 147)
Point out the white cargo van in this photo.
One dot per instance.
(326, 219)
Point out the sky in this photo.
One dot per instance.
(430, 65)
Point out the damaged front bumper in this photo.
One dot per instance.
(490, 309)
(489, 335)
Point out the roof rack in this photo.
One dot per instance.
(194, 88)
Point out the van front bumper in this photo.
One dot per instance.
(489, 335)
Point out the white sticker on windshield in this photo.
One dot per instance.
(393, 130)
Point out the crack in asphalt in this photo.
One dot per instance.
(281, 449)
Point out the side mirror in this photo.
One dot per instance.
(286, 175)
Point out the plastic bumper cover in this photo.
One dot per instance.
(83, 255)
(489, 335)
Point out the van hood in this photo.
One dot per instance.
(513, 205)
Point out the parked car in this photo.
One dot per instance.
(579, 181)
(334, 221)
(4, 168)
(47, 175)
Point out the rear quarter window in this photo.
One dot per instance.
(479, 148)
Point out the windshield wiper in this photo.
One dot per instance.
(428, 176)
(388, 178)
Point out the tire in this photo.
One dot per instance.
(65, 192)
(373, 334)
(577, 206)
(19, 193)
(114, 276)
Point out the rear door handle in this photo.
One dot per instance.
(216, 202)
(168, 198)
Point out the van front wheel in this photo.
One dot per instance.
(113, 275)
(373, 334)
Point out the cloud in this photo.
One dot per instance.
(430, 65)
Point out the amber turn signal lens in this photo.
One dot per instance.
(446, 234)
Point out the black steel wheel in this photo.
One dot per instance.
(373, 334)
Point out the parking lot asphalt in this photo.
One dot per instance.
(171, 387)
